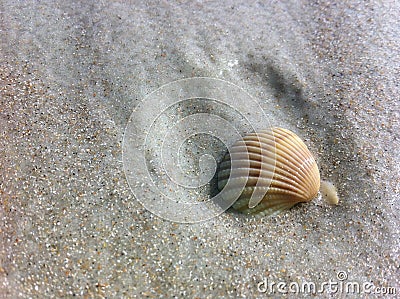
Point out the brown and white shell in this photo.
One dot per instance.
(268, 172)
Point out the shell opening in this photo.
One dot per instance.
(329, 192)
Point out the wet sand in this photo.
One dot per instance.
(73, 72)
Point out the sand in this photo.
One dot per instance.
(72, 73)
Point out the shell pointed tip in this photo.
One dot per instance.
(329, 192)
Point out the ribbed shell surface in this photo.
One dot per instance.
(268, 172)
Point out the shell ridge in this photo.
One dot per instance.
(274, 165)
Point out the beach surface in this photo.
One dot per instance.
(72, 223)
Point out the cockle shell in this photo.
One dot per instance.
(268, 172)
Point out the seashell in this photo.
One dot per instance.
(268, 172)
